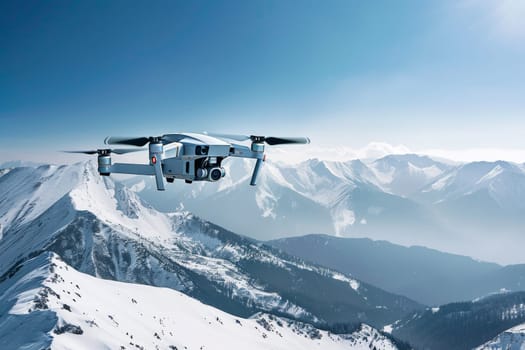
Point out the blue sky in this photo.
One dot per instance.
(441, 75)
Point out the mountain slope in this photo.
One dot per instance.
(405, 175)
(61, 308)
(103, 229)
(462, 325)
(423, 274)
(511, 339)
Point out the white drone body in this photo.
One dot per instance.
(187, 156)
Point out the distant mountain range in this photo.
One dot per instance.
(475, 209)
(426, 275)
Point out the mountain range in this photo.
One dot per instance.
(103, 229)
(80, 253)
(470, 208)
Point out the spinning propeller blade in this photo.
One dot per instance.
(142, 141)
(107, 151)
(136, 141)
(83, 152)
(270, 140)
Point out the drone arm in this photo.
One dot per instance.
(241, 151)
(140, 169)
(134, 169)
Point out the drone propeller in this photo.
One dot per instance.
(106, 151)
(142, 141)
(136, 141)
(156, 144)
(270, 140)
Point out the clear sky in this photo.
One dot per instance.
(421, 75)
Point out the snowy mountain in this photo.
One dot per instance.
(407, 199)
(315, 196)
(46, 304)
(101, 228)
(511, 339)
(462, 325)
(405, 175)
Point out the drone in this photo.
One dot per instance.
(187, 156)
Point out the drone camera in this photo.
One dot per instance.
(216, 174)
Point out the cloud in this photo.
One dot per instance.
(479, 154)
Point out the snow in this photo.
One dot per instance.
(353, 283)
(388, 328)
(138, 187)
(497, 170)
(84, 312)
(511, 339)
(501, 291)
(28, 192)
(428, 172)
(384, 176)
(442, 183)
(97, 194)
(266, 201)
(342, 219)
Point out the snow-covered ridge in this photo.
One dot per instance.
(115, 205)
(61, 308)
(512, 339)
(28, 192)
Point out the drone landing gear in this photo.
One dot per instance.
(170, 179)
(188, 181)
